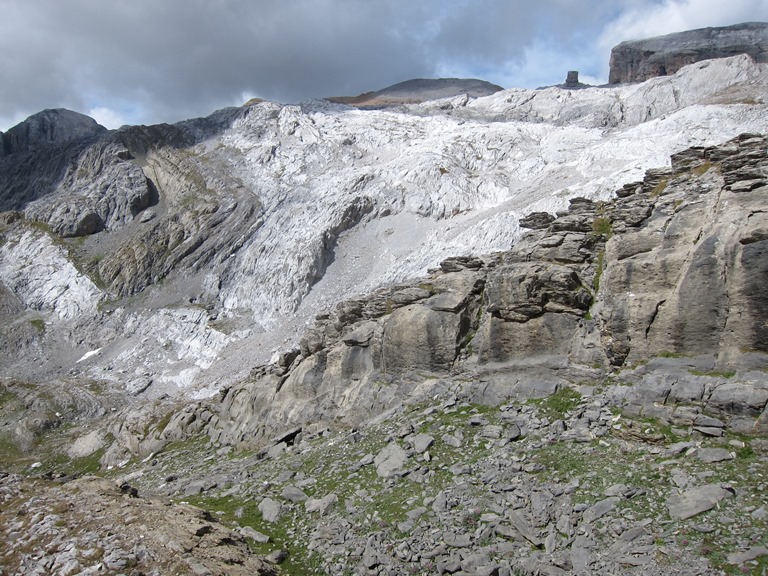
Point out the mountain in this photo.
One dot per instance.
(514, 333)
(640, 60)
(417, 91)
(175, 248)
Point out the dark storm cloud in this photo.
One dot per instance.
(180, 57)
(164, 60)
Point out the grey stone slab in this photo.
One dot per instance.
(697, 500)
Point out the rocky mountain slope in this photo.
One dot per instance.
(177, 248)
(394, 341)
(452, 424)
(640, 60)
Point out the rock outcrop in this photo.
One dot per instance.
(670, 268)
(640, 60)
(49, 128)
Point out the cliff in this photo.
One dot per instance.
(640, 60)
(189, 243)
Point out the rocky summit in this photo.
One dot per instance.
(640, 60)
(518, 333)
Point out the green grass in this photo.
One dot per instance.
(6, 395)
(41, 226)
(658, 190)
(602, 226)
(556, 405)
(599, 267)
(38, 324)
(701, 168)
(234, 511)
(668, 354)
(11, 456)
(62, 463)
(158, 427)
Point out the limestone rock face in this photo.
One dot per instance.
(687, 281)
(669, 268)
(640, 60)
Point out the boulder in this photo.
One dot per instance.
(696, 500)
(390, 460)
(270, 510)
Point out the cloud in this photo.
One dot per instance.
(107, 117)
(146, 61)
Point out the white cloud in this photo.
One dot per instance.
(107, 117)
(7, 122)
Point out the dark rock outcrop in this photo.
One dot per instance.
(99, 178)
(639, 60)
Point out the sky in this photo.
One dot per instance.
(152, 61)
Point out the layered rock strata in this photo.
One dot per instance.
(670, 269)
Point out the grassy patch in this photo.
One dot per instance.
(41, 226)
(701, 168)
(556, 405)
(6, 396)
(38, 324)
(602, 226)
(653, 427)
(599, 267)
(10, 453)
(234, 511)
(658, 190)
(668, 354)
(158, 427)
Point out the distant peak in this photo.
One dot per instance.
(49, 127)
(419, 90)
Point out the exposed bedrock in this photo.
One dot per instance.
(669, 270)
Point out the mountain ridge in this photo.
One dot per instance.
(419, 90)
